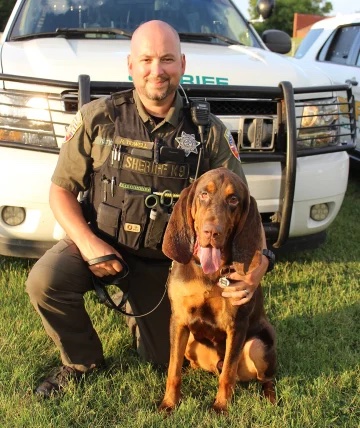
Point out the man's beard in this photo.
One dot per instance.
(159, 96)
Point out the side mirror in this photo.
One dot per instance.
(265, 8)
(277, 41)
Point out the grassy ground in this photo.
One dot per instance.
(312, 299)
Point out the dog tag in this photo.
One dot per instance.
(223, 282)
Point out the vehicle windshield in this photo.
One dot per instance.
(307, 42)
(41, 18)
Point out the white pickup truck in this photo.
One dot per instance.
(293, 129)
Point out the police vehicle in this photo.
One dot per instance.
(293, 128)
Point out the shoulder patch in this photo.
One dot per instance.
(229, 138)
(75, 124)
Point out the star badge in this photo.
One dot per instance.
(188, 143)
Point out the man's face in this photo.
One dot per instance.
(156, 65)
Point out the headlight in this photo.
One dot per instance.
(26, 120)
(319, 124)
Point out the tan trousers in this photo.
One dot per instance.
(56, 285)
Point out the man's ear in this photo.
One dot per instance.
(183, 64)
(129, 64)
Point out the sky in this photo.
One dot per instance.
(345, 6)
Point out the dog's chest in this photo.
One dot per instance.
(202, 308)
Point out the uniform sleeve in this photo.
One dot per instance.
(74, 165)
(223, 150)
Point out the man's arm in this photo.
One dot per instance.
(67, 212)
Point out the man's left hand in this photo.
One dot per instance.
(243, 287)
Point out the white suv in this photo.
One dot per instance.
(292, 127)
(333, 44)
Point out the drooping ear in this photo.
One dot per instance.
(247, 242)
(179, 238)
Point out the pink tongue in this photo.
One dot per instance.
(209, 259)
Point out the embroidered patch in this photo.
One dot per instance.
(229, 138)
(187, 142)
(75, 124)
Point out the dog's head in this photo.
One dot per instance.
(216, 221)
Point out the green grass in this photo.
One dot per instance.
(312, 299)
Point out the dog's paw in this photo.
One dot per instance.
(268, 389)
(166, 407)
(220, 407)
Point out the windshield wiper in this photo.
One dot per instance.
(71, 32)
(208, 37)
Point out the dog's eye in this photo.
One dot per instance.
(204, 196)
(233, 200)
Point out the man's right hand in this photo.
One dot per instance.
(67, 211)
(96, 247)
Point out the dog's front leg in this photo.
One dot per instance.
(179, 335)
(234, 343)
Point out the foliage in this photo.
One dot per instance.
(6, 6)
(283, 14)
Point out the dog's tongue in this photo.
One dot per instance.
(209, 259)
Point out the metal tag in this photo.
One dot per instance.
(223, 282)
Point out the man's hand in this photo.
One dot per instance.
(243, 289)
(67, 211)
(96, 247)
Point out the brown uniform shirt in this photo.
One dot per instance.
(90, 137)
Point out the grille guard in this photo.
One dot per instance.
(282, 98)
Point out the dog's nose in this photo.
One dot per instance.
(212, 230)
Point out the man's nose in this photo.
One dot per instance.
(156, 68)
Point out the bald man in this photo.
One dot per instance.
(116, 148)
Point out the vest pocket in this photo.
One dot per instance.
(108, 218)
(133, 220)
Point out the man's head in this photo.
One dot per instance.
(156, 63)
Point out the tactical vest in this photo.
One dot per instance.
(132, 194)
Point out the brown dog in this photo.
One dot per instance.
(215, 224)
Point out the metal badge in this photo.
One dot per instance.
(223, 282)
(188, 143)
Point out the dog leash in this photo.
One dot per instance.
(100, 284)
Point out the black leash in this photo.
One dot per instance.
(100, 285)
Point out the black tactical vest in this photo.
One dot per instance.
(133, 192)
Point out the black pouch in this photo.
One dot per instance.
(108, 218)
(156, 228)
(133, 220)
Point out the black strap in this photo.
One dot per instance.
(100, 284)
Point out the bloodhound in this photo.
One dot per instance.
(215, 226)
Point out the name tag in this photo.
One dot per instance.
(121, 141)
(143, 166)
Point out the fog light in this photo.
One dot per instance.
(13, 216)
(319, 212)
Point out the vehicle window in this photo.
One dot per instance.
(308, 41)
(192, 16)
(338, 49)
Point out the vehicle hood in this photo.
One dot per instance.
(106, 60)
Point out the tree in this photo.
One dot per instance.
(283, 14)
(6, 6)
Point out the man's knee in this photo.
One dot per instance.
(39, 282)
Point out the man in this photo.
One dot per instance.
(101, 152)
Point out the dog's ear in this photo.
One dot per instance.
(179, 238)
(247, 242)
